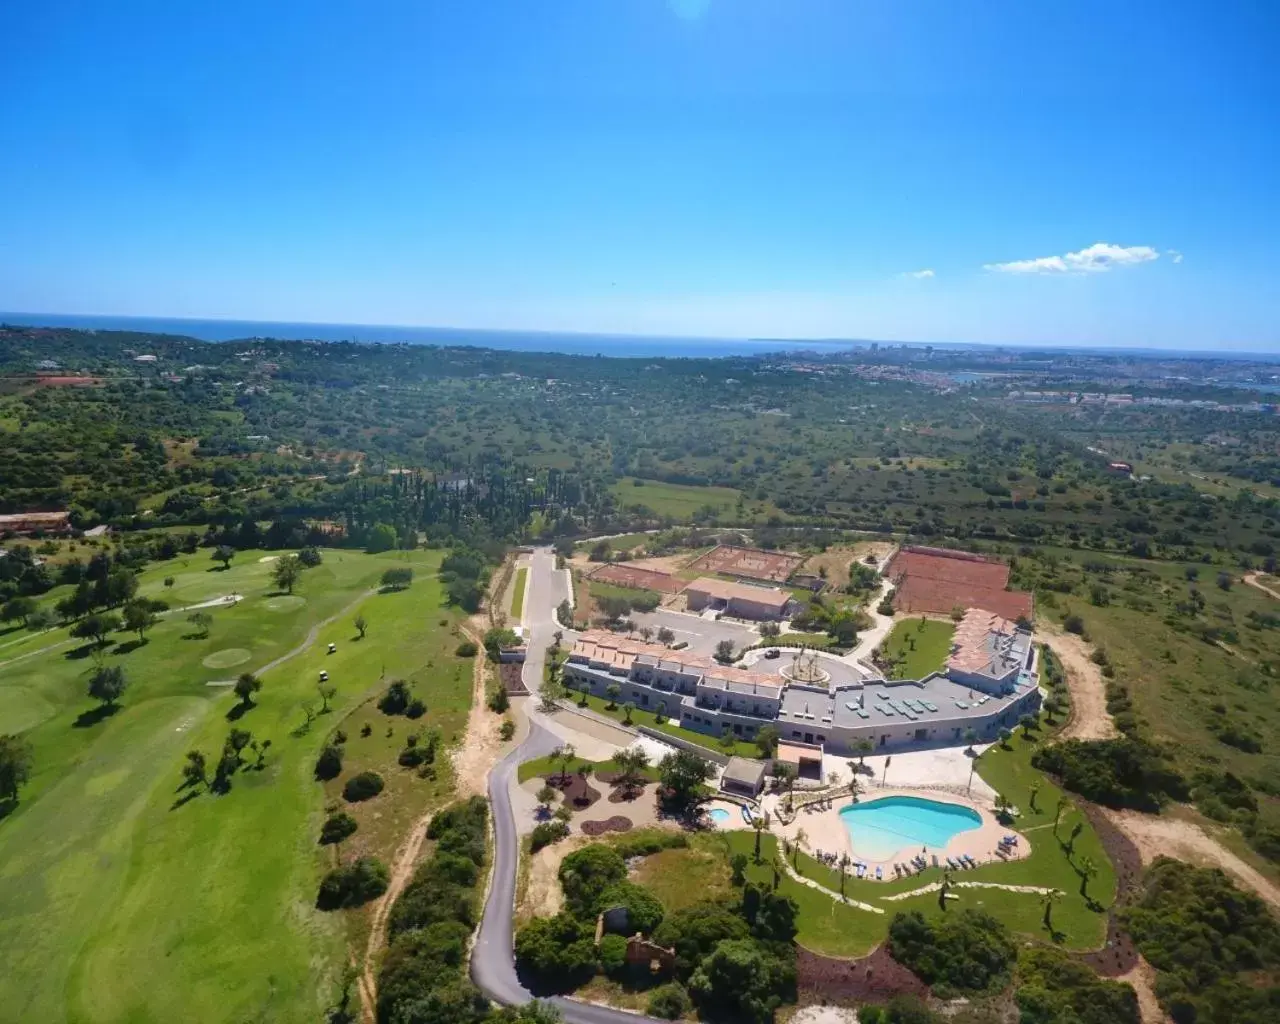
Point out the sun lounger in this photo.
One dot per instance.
(969, 860)
(860, 870)
(879, 873)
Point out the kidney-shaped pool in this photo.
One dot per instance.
(879, 829)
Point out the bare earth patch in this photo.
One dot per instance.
(542, 896)
(836, 560)
(1143, 980)
(1089, 717)
(1171, 837)
(663, 563)
(1261, 582)
(482, 746)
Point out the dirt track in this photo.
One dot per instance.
(1252, 579)
(480, 748)
(1172, 837)
(1143, 980)
(1089, 717)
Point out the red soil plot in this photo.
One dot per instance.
(622, 575)
(749, 563)
(934, 581)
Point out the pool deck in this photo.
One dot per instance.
(826, 832)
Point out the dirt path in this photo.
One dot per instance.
(1252, 579)
(1172, 837)
(481, 747)
(1089, 717)
(1143, 980)
(402, 867)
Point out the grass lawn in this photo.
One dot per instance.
(1078, 925)
(103, 869)
(680, 501)
(602, 589)
(918, 647)
(640, 716)
(682, 877)
(539, 767)
(517, 592)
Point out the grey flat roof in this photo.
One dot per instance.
(907, 701)
(743, 770)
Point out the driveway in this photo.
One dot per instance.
(493, 957)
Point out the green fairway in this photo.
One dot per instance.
(120, 901)
(517, 592)
(918, 647)
(679, 501)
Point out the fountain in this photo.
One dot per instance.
(805, 669)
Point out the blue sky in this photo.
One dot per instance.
(718, 167)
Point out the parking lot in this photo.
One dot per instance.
(701, 635)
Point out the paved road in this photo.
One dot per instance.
(493, 960)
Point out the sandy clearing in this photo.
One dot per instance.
(269, 558)
(481, 746)
(542, 896)
(836, 560)
(1173, 837)
(1089, 717)
(664, 563)
(825, 1015)
(1252, 578)
(1143, 980)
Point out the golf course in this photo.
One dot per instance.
(126, 895)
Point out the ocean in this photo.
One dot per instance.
(519, 341)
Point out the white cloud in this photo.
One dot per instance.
(1096, 259)
(919, 275)
(1174, 255)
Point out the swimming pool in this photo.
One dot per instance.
(892, 825)
(719, 815)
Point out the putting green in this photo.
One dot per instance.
(284, 603)
(225, 659)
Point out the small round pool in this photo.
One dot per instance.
(892, 825)
(719, 815)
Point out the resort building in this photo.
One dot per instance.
(991, 654)
(704, 696)
(741, 600)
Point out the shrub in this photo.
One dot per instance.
(337, 827)
(613, 954)
(329, 763)
(556, 953)
(396, 699)
(467, 649)
(644, 909)
(397, 579)
(416, 709)
(507, 730)
(352, 884)
(1122, 772)
(670, 1001)
(585, 874)
(969, 950)
(546, 833)
(364, 786)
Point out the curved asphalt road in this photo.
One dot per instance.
(493, 966)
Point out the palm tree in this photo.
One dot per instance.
(863, 747)
(1034, 790)
(1028, 722)
(1057, 815)
(1005, 735)
(973, 766)
(1047, 900)
(779, 869)
(627, 708)
(970, 738)
(885, 776)
(801, 836)
(1087, 869)
(854, 788)
(844, 864)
